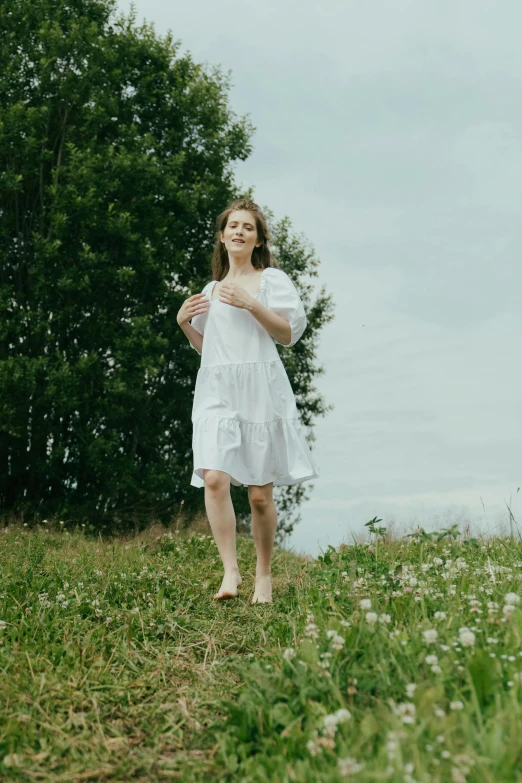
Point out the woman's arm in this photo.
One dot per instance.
(192, 308)
(276, 326)
(194, 337)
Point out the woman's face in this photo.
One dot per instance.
(240, 234)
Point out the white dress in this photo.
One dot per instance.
(244, 414)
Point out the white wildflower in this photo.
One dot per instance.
(348, 766)
(456, 705)
(311, 631)
(330, 721)
(330, 725)
(440, 615)
(313, 748)
(512, 598)
(410, 689)
(365, 603)
(343, 715)
(289, 653)
(431, 660)
(430, 635)
(371, 618)
(466, 637)
(337, 641)
(406, 711)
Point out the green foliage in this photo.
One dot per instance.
(115, 658)
(116, 154)
(118, 664)
(414, 707)
(380, 531)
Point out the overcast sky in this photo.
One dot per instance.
(390, 134)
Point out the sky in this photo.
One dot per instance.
(390, 134)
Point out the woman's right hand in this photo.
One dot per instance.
(192, 306)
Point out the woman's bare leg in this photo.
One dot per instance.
(222, 518)
(264, 526)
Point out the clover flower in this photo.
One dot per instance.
(466, 637)
(348, 766)
(456, 705)
(331, 721)
(329, 725)
(406, 711)
(337, 641)
(311, 631)
(410, 689)
(430, 636)
(313, 748)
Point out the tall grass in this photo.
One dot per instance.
(392, 660)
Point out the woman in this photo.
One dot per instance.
(246, 427)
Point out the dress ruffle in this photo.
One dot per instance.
(252, 452)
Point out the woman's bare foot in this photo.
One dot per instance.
(231, 581)
(263, 590)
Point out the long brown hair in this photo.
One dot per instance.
(261, 256)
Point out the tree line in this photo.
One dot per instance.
(116, 156)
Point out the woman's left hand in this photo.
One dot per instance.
(235, 295)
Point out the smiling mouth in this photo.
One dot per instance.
(239, 241)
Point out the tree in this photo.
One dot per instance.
(116, 155)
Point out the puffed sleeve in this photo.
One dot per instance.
(199, 320)
(283, 298)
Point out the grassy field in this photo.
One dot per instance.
(390, 661)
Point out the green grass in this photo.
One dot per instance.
(118, 665)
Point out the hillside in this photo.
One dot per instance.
(398, 661)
